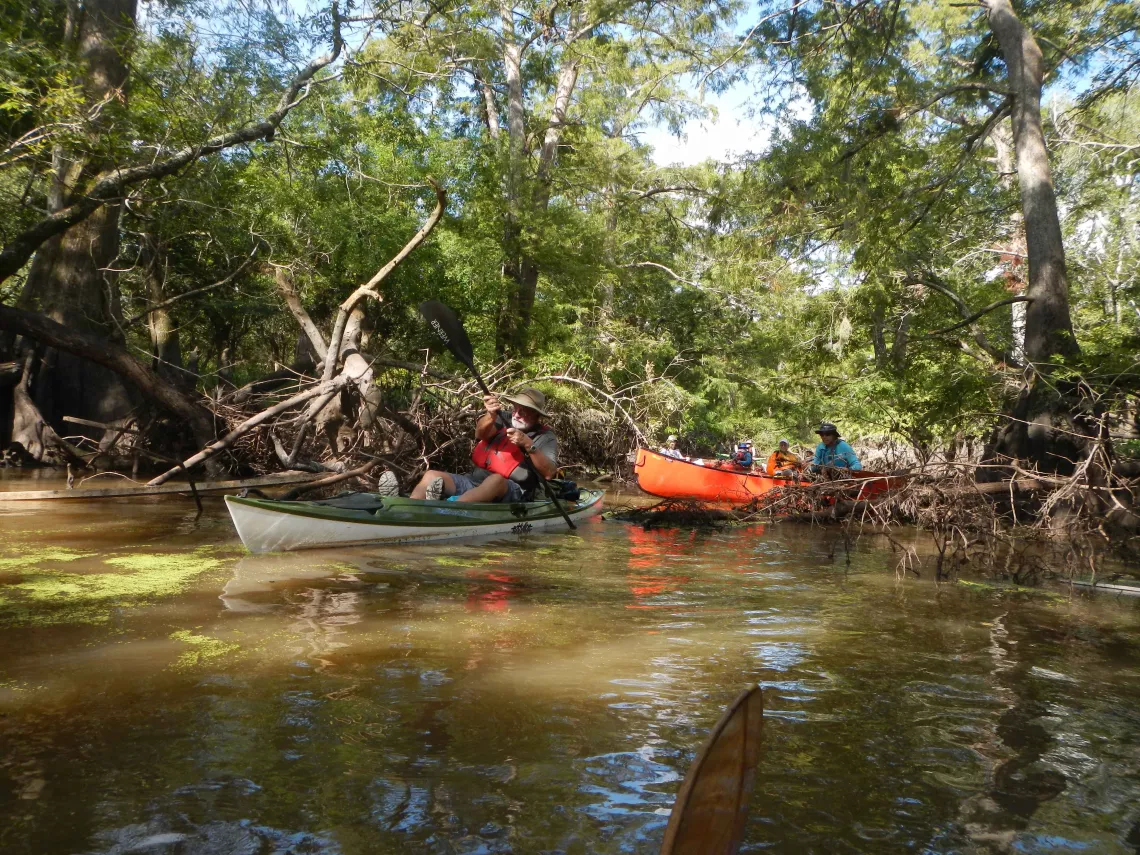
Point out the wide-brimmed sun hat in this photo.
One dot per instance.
(827, 427)
(529, 397)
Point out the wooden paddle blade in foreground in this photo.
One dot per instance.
(711, 809)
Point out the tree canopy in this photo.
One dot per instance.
(867, 264)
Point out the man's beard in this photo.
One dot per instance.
(519, 423)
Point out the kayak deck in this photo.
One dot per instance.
(267, 525)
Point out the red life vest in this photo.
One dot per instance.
(498, 454)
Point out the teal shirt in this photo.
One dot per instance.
(841, 456)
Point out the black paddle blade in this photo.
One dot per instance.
(449, 329)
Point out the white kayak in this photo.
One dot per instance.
(267, 525)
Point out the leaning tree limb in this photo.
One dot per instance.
(368, 289)
(283, 277)
(931, 281)
(178, 298)
(330, 480)
(110, 185)
(1020, 298)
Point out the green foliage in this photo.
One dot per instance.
(748, 299)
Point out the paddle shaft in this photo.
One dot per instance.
(440, 317)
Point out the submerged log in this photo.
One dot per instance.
(124, 491)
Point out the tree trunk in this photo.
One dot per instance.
(610, 283)
(1046, 424)
(1012, 251)
(899, 345)
(70, 277)
(878, 340)
(507, 328)
(521, 269)
(29, 428)
(114, 357)
(1048, 325)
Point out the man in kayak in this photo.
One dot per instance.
(833, 452)
(670, 448)
(783, 463)
(508, 448)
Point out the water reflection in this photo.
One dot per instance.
(546, 693)
(646, 550)
(491, 591)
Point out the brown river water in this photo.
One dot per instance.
(162, 691)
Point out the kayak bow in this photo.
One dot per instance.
(266, 525)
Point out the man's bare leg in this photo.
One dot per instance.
(420, 490)
(493, 488)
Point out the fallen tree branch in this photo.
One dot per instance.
(279, 479)
(225, 442)
(414, 368)
(329, 481)
(629, 420)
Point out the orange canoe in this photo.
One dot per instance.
(671, 478)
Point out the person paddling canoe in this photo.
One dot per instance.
(833, 452)
(507, 447)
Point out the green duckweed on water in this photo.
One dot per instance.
(448, 561)
(203, 649)
(29, 560)
(45, 598)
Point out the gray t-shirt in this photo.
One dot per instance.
(547, 443)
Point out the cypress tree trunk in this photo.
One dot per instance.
(1046, 424)
(521, 268)
(1048, 325)
(70, 278)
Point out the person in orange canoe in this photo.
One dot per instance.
(743, 455)
(669, 449)
(783, 462)
(833, 452)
